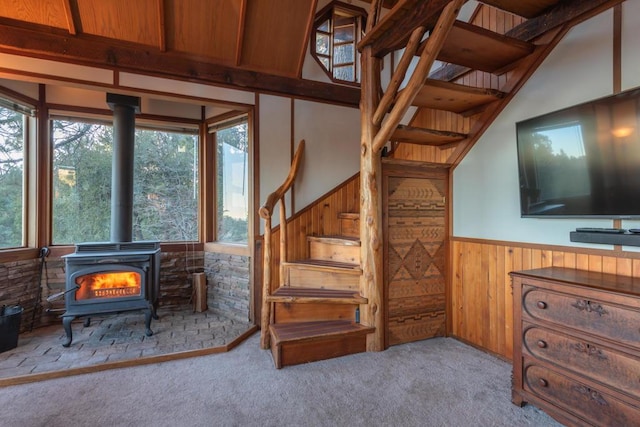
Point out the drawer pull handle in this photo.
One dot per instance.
(591, 395)
(543, 382)
(541, 305)
(589, 307)
(542, 344)
(590, 350)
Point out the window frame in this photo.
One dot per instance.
(329, 13)
(28, 109)
(213, 125)
(143, 122)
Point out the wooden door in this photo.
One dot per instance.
(415, 231)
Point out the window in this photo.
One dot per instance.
(232, 182)
(337, 31)
(13, 125)
(166, 185)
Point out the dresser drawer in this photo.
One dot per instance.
(610, 321)
(614, 368)
(594, 406)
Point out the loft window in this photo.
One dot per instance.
(337, 30)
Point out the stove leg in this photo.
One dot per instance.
(87, 322)
(66, 323)
(148, 314)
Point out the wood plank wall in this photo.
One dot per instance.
(318, 219)
(481, 294)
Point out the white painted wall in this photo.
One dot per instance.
(275, 148)
(485, 184)
(332, 150)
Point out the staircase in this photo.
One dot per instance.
(483, 64)
(316, 310)
(311, 314)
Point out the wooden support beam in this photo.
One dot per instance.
(93, 51)
(372, 280)
(398, 76)
(431, 49)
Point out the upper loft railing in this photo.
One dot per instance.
(266, 212)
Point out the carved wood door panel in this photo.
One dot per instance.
(415, 230)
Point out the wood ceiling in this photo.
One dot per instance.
(253, 35)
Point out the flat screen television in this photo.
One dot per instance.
(582, 161)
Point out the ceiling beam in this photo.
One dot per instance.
(242, 18)
(162, 28)
(94, 51)
(68, 11)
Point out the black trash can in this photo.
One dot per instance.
(9, 327)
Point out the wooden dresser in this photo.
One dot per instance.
(576, 350)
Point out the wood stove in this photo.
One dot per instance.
(107, 277)
(119, 275)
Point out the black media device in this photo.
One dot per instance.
(582, 161)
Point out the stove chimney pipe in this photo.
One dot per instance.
(124, 111)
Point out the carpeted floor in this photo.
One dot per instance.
(438, 382)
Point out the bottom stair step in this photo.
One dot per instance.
(302, 342)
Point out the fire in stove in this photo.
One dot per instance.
(108, 285)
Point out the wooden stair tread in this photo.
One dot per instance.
(525, 8)
(481, 49)
(307, 331)
(457, 98)
(349, 215)
(394, 29)
(336, 240)
(321, 264)
(423, 136)
(316, 295)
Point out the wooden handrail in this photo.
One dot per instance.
(266, 211)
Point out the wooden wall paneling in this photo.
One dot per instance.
(319, 218)
(481, 294)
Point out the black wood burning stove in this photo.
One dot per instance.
(119, 275)
(109, 277)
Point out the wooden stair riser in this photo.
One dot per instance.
(350, 225)
(288, 312)
(295, 353)
(301, 276)
(296, 343)
(330, 251)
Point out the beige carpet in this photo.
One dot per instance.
(439, 382)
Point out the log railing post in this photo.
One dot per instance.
(266, 212)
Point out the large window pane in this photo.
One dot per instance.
(165, 184)
(166, 187)
(12, 149)
(81, 181)
(232, 184)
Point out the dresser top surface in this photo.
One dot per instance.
(601, 281)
